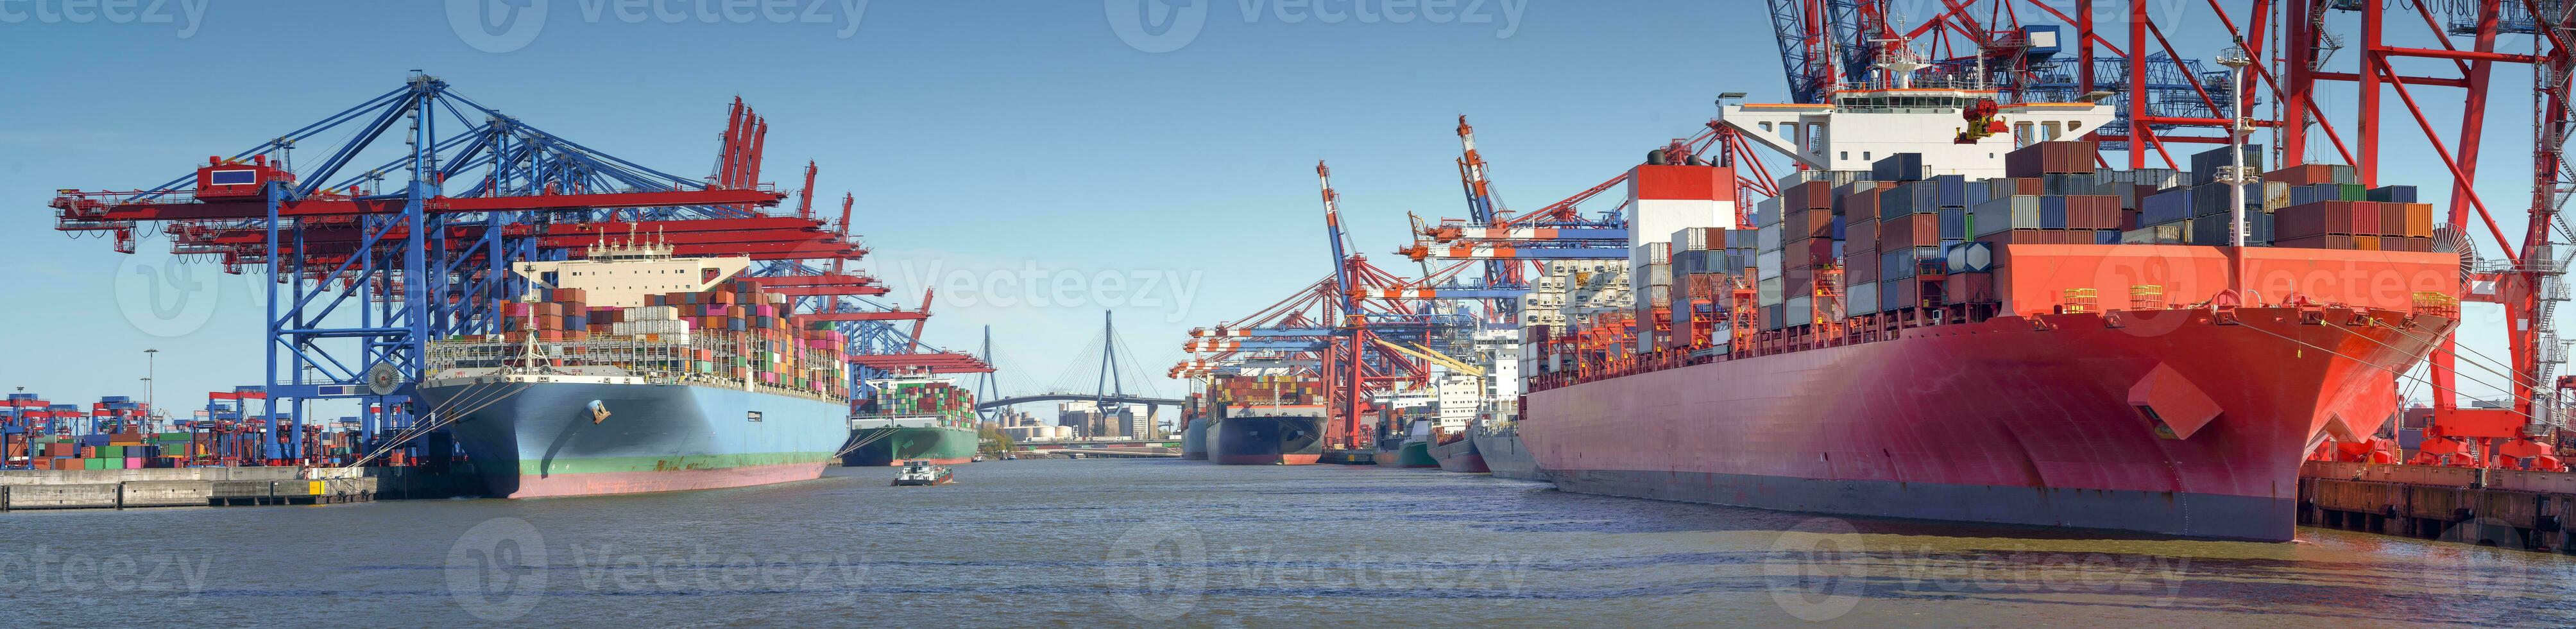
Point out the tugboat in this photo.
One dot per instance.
(921, 473)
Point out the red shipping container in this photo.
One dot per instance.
(2050, 158)
(2365, 218)
(1962, 288)
(1808, 195)
(1803, 224)
(1860, 233)
(2302, 175)
(2318, 218)
(1911, 230)
(2392, 219)
(2106, 212)
(1820, 252)
(1861, 200)
(1860, 268)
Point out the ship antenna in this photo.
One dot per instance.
(528, 346)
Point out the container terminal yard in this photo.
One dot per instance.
(2237, 312)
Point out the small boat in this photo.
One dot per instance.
(921, 473)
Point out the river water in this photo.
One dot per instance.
(1118, 542)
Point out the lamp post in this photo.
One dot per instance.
(149, 356)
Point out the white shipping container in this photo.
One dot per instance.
(1694, 239)
(636, 328)
(1768, 291)
(1799, 310)
(650, 313)
(1766, 265)
(1767, 238)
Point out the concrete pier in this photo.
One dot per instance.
(223, 486)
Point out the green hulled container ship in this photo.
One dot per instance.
(913, 418)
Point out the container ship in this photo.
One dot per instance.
(1456, 452)
(1265, 415)
(914, 418)
(1194, 425)
(635, 371)
(1949, 315)
(1499, 448)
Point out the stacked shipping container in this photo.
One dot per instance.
(729, 332)
(1267, 390)
(914, 398)
(1902, 239)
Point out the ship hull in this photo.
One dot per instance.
(1407, 454)
(2081, 425)
(1284, 440)
(1504, 455)
(941, 445)
(1194, 441)
(1459, 456)
(542, 441)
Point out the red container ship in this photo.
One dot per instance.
(1900, 349)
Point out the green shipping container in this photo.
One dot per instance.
(111, 452)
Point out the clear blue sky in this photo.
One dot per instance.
(981, 138)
